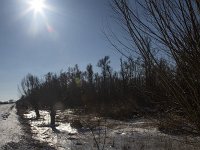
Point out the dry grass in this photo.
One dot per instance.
(140, 134)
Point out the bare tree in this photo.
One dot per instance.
(173, 28)
(51, 94)
(30, 86)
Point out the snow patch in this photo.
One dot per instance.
(10, 128)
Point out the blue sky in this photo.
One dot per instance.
(74, 36)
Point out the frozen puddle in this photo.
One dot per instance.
(115, 135)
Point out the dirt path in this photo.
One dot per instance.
(15, 134)
(10, 128)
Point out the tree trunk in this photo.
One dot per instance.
(53, 117)
(37, 112)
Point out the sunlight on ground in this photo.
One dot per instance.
(30, 115)
(41, 130)
(66, 127)
(139, 135)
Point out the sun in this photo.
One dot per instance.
(37, 6)
(39, 9)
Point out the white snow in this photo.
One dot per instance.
(139, 135)
(66, 127)
(10, 128)
(136, 134)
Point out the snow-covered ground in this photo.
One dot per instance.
(10, 129)
(86, 132)
(15, 134)
(111, 134)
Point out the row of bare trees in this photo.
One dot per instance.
(109, 93)
(162, 48)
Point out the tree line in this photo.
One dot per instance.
(161, 72)
(119, 94)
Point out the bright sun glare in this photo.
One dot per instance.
(37, 5)
(39, 9)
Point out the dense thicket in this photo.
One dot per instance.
(109, 93)
(170, 29)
